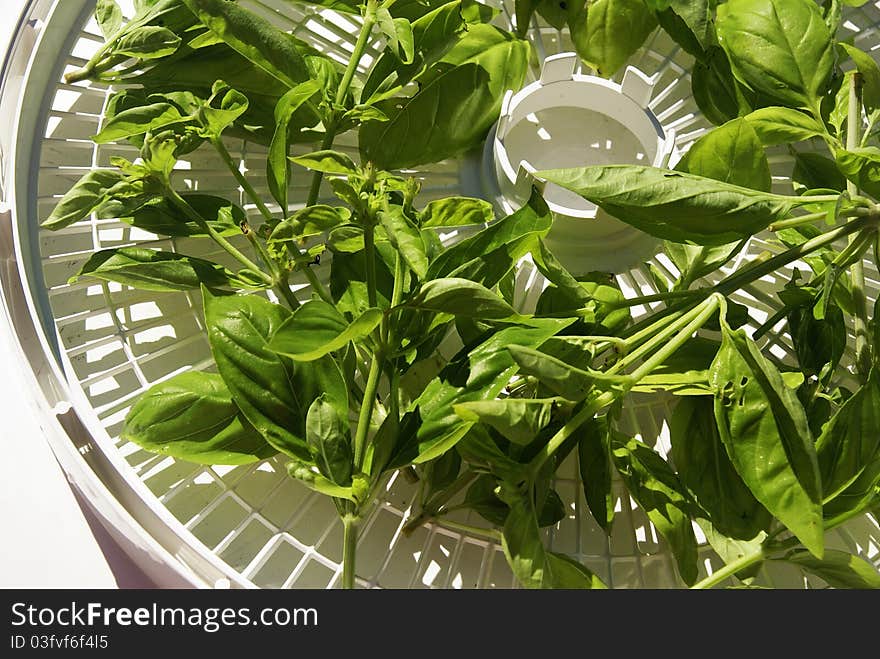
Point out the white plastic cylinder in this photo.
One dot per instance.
(568, 119)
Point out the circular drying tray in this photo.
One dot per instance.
(92, 348)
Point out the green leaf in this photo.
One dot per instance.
(148, 42)
(850, 441)
(317, 328)
(519, 420)
(109, 17)
(568, 381)
(653, 484)
(870, 76)
(690, 24)
(862, 167)
(433, 33)
(456, 212)
(522, 546)
(673, 205)
(305, 223)
(716, 91)
(328, 162)
(611, 32)
(731, 153)
(137, 121)
(327, 435)
(399, 33)
(480, 449)
(779, 48)
(566, 573)
(308, 475)
(461, 297)
(487, 256)
(767, 436)
(839, 568)
(85, 196)
(705, 470)
(480, 373)
(218, 117)
(277, 165)
(406, 238)
(458, 100)
(594, 465)
(777, 125)
(252, 36)
(153, 270)
(817, 342)
(161, 217)
(272, 393)
(192, 417)
(813, 171)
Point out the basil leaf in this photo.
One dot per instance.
(233, 104)
(481, 450)
(161, 217)
(262, 382)
(594, 465)
(137, 121)
(487, 256)
(862, 167)
(328, 162)
(571, 383)
(777, 125)
(813, 171)
(109, 17)
(653, 484)
(610, 32)
(767, 436)
(690, 24)
(153, 270)
(779, 48)
(407, 239)
(327, 435)
(704, 468)
(839, 568)
(148, 42)
(716, 91)
(317, 328)
(477, 374)
(399, 33)
(255, 38)
(522, 546)
(850, 441)
(817, 342)
(870, 76)
(567, 573)
(84, 197)
(432, 34)
(674, 205)
(192, 417)
(277, 165)
(519, 420)
(461, 297)
(455, 212)
(459, 98)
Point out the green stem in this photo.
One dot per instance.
(342, 91)
(190, 212)
(857, 271)
(585, 414)
(706, 311)
(370, 261)
(492, 534)
(798, 221)
(242, 181)
(349, 550)
(366, 413)
(729, 570)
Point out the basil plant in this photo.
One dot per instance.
(344, 379)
